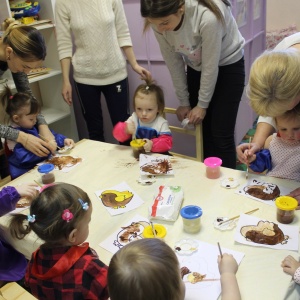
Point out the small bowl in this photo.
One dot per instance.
(186, 246)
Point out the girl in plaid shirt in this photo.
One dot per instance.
(64, 267)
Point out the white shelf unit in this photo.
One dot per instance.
(47, 87)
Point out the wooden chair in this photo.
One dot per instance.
(197, 133)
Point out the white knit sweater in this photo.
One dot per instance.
(99, 29)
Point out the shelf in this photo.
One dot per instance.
(53, 115)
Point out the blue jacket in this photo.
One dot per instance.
(22, 160)
(263, 161)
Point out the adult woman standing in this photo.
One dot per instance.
(203, 35)
(23, 48)
(100, 33)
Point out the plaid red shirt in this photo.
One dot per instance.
(72, 273)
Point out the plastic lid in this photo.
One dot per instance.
(161, 231)
(191, 212)
(213, 162)
(45, 168)
(137, 143)
(286, 203)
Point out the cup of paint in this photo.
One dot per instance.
(286, 206)
(160, 231)
(46, 172)
(191, 217)
(213, 167)
(137, 146)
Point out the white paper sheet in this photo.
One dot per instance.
(290, 232)
(152, 161)
(119, 199)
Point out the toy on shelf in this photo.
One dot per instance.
(26, 10)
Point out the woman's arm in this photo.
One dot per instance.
(67, 87)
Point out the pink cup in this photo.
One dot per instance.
(213, 167)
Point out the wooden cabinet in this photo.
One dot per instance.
(47, 87)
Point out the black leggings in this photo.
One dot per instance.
(219, 122)
(116, 96)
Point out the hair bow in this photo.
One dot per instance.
(31, 219)
(147, 87)
(10, 97)
(84, 205)
(67, 215)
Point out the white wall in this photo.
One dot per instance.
(282, 13)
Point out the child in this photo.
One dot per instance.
(291, 266)
(22, 110)
(281, 154)
(63, 267)
(149, 269)
(12, 263)
(146, 122)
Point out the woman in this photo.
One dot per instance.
(274, 88)
(23, 48)
(203, 35)
(101, 36)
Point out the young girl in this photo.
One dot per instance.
(22, 110)
(64, 267)
(281, 150)
(146, 122)
(291, 266)
(148, 269)
(12, 263)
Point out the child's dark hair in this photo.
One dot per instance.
(150, 87)
(13, 103)
(145, 269)
(47, 213)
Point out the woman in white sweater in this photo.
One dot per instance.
(100, 32)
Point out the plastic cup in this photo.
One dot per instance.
(137, 146)
(286, 206)
(213, 167)
(160, 231)
(191, 218)
(47, 176)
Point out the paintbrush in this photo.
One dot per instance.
(38, 183)
(221, 254)
(47, 141)
(248, 212)
(153, 229)
(247, 171)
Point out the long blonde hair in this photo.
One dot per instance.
(274, 82)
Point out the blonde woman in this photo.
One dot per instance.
(23, 48)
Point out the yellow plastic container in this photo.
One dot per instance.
(137, 146)
(160, 230)
(286, 206)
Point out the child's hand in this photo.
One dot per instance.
(130, 128)
(290, 265)
(148, 145)
(227, 264)
(69, 142)
(28, 190)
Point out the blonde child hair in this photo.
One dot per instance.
(290, 114)
(145, 269)
(274, 82)
(150, 87)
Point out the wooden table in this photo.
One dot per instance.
(260, 275)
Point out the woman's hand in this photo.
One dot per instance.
(148, 145)
(196, 115)
(33, 144)
(182, 112)
(67, 92)
(144, 73)
(296, 194)
(246, 150)
(28, 190)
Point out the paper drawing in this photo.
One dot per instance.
(130, 231)
(155, 165)
(119, 199)
(263, 233)
(262, 191)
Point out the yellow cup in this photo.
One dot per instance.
(160, 231)
(286, 206)
(137, 146)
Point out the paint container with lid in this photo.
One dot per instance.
(286, 206)
(191, 216)
(46, 172)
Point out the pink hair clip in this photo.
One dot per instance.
(67, 215)
(10, 97)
